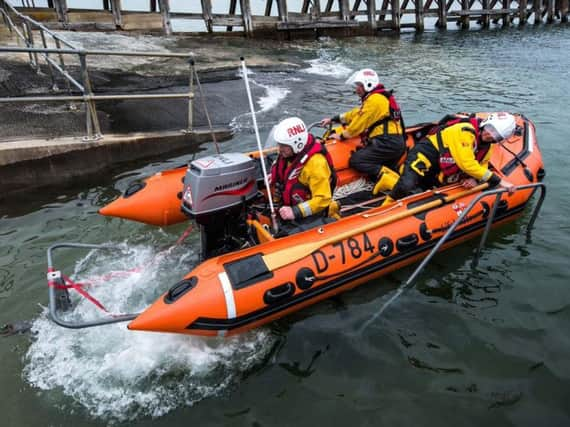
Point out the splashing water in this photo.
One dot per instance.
(327, 65)
(119, 375)
(273, 96)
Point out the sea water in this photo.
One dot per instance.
(463, 347)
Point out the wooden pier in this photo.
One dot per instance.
(313, 17)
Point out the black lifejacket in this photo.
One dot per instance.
(447, 163)
(285, 174)
(395, 111)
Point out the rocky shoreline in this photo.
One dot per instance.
(217, 62)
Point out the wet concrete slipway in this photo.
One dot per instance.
(484, 346)
(44, 144)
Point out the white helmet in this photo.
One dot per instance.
(367, 77)
(291, 132)
(501, 125)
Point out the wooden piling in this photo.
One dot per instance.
(116, 7)
(61, 11)
(165, 12)
(396, 15)
(564, 11)
(419, 15)
(344, 9)
(268, 6)
(232, 11)
(464, 19)
(506, 17)
(442, 14)
(315, 11)
(207, 14)
(550, 11)
(372, 14)
(246, 17)
(346, 19)
(537, 8)
(282, 10)
(523, 5)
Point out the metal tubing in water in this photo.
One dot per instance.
(451, 229)
(53, 312)
(486, 231)
(535, 211)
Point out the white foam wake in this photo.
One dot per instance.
(119, 375)
(327, 65)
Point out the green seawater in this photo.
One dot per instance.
(464, 347)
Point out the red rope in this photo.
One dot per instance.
(80, 287)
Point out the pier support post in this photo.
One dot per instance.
(207, 14)
(232, 12)
(396, 15)
(506, 16)
(61, 11)
(464, 20)
(523, 4)
(268, 6)
(419, 16)
(537, 7)
(344, 9)
(316, 9)
(246, 16)
(116, 7)
(442, 14)
(372, 14)
(165, 12)
(550, 11)
(282, 10)
(564, 11)
(485, 18)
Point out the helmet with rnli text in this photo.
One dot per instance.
(366, 77)
(291, 132)
(500, 125)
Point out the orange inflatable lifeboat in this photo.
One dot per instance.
(249, 277)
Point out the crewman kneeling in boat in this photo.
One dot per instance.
(378, 120)
(302, 177)
(457, 151)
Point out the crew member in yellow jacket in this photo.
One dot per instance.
(302, 177)
(378, 120)
(457, 152)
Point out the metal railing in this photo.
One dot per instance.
(498, 192)
(59, 300)
(83, 84)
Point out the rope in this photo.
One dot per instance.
(80, 287)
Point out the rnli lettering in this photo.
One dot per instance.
(230, 184)
(345, 250)
(296, 130)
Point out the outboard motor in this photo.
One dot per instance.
(216, 189)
